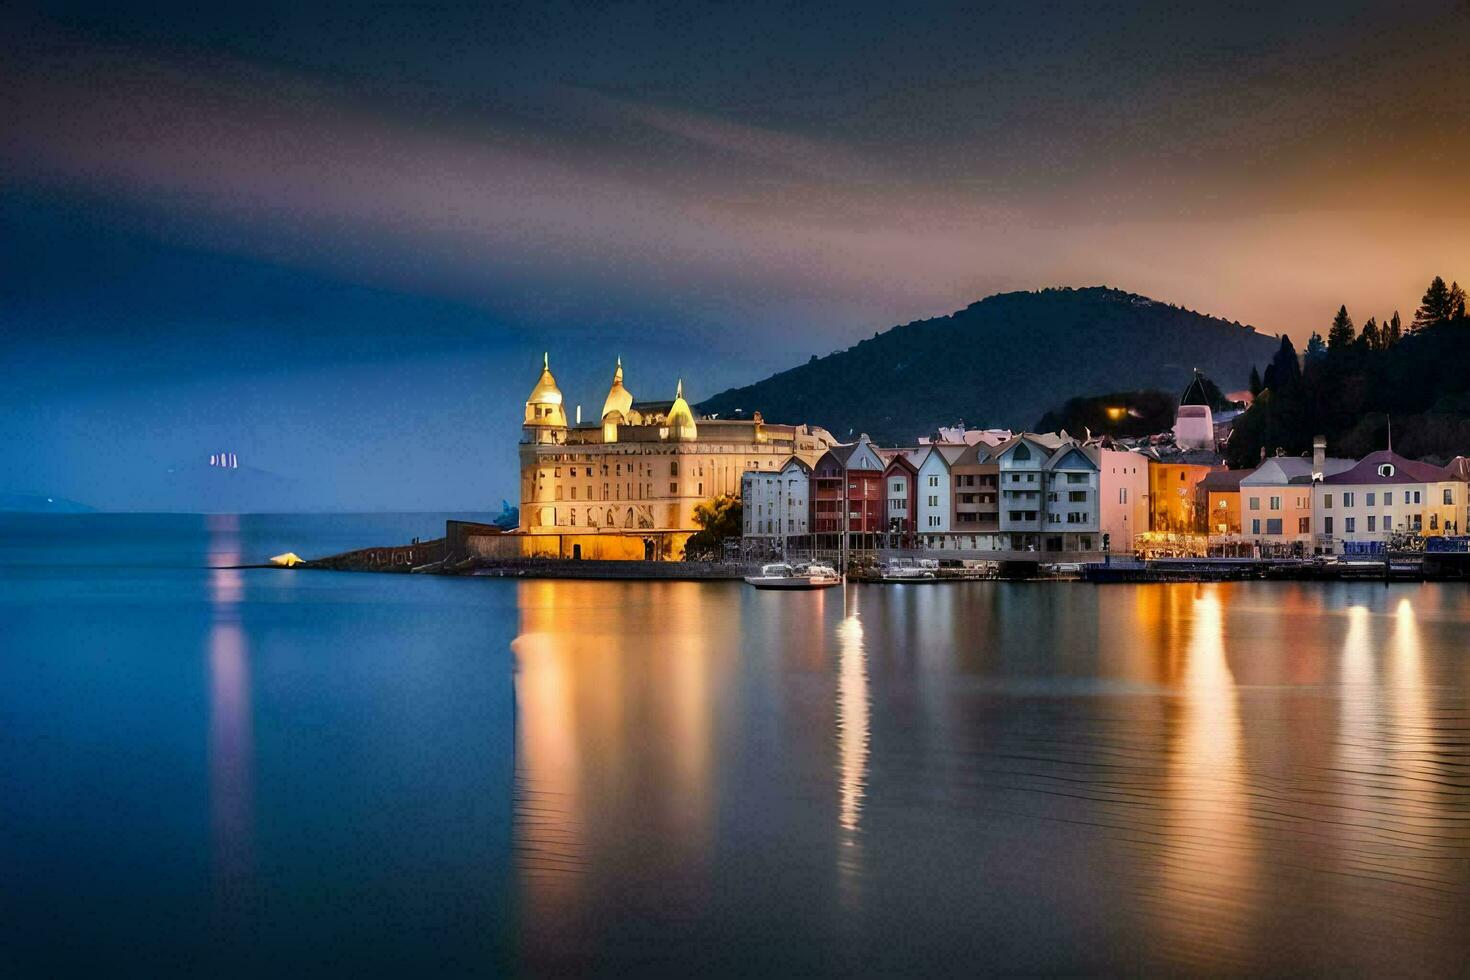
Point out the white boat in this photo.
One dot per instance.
(907, 571)
(795, 578)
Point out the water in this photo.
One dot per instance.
(208, 770)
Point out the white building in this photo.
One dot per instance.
(1194, 423)
(776, 506)
(932, 502)
(1384, 493)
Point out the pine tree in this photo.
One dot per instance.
(1316, 347)
(1340, 334)
(1284, 371)
(1435, 307)
(1370, 338)
(1393, 331)
(1457, 302)
(1255, 382)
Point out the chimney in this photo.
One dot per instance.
(1319, 456)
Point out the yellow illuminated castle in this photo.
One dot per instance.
(626, 485)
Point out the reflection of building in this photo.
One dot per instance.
(626, 485)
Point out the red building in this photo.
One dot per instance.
(900, 500)
(848, 479)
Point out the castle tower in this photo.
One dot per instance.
(546, 419)
(680, 420)
(617, 406)
(1194, 423)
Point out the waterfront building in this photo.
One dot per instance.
(775, 507)
(933, 515)
(1072, 499)
(847, 495)
(1173, 490)
(901, 482)
(976, 480)
(1123, 497)
(1220, 493)
(626, 484)
(1384, 493)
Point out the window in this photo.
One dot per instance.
(1388, 498)
(1327, 525)
(1371, 501)
(1418, 522)
(1449, 496)
(1385, 469)
(1327, 501)
(1122, 495)
(934, 481)
(673, 489)
(1349, 525)
(673, 467)
(1417, 499)
(1347, 499)
(1273, 525)
(1255, 503)
(1077, 496)
(1434, 522)
(1275, 503)
(1372, 522)
(1255, 525)
(1021, 452)
(1303, 525)
(1076, 477)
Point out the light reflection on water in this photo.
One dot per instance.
(1219, 777)
(212, 771)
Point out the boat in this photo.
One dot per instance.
(786, 577)
(904, 570)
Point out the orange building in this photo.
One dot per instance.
(1174, 503)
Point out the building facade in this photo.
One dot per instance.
(776, 507)
(626, 485)
(1123, 496)
(847, 496)
(1384, 494)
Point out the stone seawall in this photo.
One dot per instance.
(625, 570)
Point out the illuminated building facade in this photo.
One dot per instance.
(626, 485)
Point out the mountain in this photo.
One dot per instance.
(1003, 362)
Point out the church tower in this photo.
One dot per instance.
(546, 419)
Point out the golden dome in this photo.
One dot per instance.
(680, 419)
(619, 399)
(544, 406)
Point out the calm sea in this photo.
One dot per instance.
(209, 771)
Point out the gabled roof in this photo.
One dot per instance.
(1365, 472)
(1223, 481)
(861, 455)
(899, 459)
(800, 463)
(1087, 453)
(1046, 444)
(918, 456)
(1194, 393)
(974, 455)
(1459, 468)
(1282, 470)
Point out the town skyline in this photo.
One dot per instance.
(355, 228)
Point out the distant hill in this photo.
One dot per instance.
(37, 504)
(1003, 362)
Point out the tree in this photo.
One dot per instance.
(1435, 307)
(1370, 337)
(1393, 331)
(1255, 383)
(719, 519)
(1316, 347)
(1340, 334)
(1457, 302)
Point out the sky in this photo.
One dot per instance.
(335, 239)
